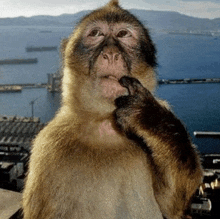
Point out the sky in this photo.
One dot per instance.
(196, 8)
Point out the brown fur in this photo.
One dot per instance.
(111, 151)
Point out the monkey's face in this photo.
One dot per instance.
(111, 54)
(108, 44)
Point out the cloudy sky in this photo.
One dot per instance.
(197, 8)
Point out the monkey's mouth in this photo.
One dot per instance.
(111, 77)
(111, 87)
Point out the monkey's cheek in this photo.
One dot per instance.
(111, 89)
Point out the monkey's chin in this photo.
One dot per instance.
(110, 88)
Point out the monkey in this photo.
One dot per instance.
(114, 149)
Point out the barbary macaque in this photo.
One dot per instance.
(113, 150)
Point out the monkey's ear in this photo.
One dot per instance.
(113, 3)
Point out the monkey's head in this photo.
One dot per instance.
(107, 44)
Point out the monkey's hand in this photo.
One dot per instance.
(139, 108)
(175, 164)
(141, 112)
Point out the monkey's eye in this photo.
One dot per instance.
(123, 33)
(95, 33)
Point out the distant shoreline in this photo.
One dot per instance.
(197, 33)
(189, 81)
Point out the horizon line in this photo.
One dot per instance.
(57, 15)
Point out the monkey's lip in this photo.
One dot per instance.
(111, 77)
(111, 88)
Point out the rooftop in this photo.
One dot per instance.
(18, 130)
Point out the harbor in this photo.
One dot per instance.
(11, 88)
(18, 87)
(189, 81)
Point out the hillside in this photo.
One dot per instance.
(156, 20)
(167, 20)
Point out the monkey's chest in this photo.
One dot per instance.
(120, 189)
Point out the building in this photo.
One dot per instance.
(207, 199)
(16, 135)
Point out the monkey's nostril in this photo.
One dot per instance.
(117, 57)
(105, 56)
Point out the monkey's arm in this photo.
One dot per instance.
(175, 165)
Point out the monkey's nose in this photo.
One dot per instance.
(111, 56)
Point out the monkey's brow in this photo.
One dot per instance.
(99, 24)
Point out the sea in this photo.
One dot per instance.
(179, 57)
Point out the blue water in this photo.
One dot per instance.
(12, 45)
(45, 106)
(188, 56)
(197, 105)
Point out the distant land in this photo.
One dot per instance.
(155, 20)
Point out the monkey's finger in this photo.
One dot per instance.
(132, 84)
(123, 101)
